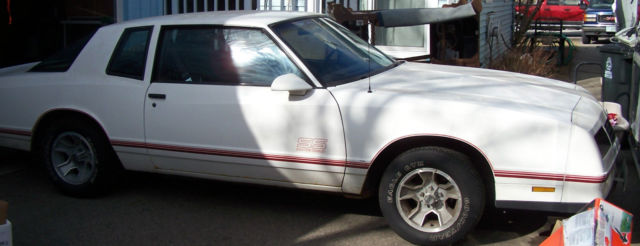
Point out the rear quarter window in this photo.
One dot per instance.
(130, 55)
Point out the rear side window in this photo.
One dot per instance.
(62, 60)
(130, 56)
(563, 2)
(219, 55)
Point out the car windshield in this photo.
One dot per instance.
(331, 52)
(600, 3)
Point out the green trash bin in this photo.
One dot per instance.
(617, 59)
(634, 108)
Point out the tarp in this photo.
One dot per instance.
(626, 12)
(421, 16)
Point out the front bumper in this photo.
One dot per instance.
(551, 24)
(600, 30)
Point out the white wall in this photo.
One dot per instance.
(498, 14)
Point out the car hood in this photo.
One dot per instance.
(433, 83)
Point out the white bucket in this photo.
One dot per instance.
(5, 234)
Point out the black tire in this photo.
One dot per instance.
(586, 39)
(78, 158)
(449, 170)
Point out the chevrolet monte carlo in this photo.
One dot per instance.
(296, 100)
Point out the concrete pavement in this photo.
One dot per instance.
(155, 209)
(588, 76)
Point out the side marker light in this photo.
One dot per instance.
(543, 189)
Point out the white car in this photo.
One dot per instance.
(296, 100)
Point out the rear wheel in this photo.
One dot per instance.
(78, 158)
(586, 39)
(431, 195)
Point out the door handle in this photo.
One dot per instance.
(157, 96)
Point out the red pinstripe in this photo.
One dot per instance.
(340, 163)
(550, 176)
(15, 132)
(239, 154)
(327, 162)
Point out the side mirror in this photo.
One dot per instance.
(291, 83)
(582, 4)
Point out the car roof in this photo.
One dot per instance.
(228, 18)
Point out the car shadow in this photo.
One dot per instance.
(496, 226)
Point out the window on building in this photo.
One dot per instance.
(406, 41)
(409, 41)
(283, 5)
(190, 6)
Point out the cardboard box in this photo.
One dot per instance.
(556, 238)
(599, 224)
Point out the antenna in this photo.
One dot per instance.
(369, 55)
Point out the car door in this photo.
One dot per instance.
(210, 111)
(126, 79)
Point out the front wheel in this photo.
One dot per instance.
(431, 195)
(586, 39)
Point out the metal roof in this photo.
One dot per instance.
(229, 18)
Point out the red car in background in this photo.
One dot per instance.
(554, 12)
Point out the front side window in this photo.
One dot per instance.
(130, 56)
(219, 55)
(563, 2)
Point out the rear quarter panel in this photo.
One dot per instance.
(116, 103)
